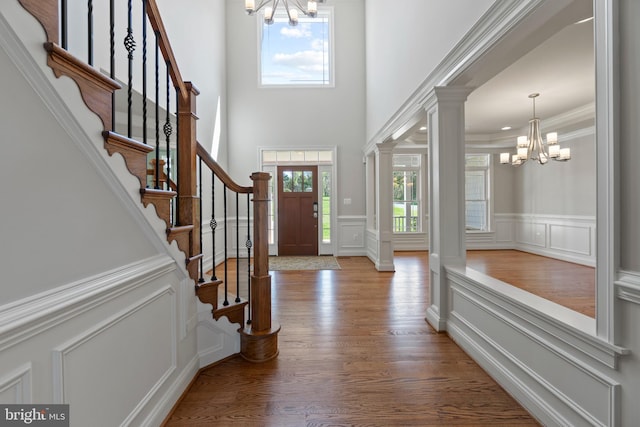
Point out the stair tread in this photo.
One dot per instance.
(83, 68)
(123, 141)
(156, 192)
(180, 229)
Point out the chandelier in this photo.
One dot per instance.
(291, 6)
(533, 147)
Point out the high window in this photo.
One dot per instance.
(406, 201)
(297, 56)
(477, 167)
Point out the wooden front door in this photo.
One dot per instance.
(297, 210)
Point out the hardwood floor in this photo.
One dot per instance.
(355, 350)
(570, 285)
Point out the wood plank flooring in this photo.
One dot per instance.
(568, 284)
(355, 350)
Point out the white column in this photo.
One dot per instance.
(384, 206)
(447, 246)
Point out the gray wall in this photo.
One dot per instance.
(406, 40)
(557, 188)
(282, 117)
(630, 136)
(60, 221)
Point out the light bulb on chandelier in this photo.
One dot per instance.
(291, 7)
(533, 147)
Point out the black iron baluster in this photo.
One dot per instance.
(213, 224)
(248, 244)
(144, 71)
(177, 173)
(226, 257)
(201, 278)
(157, 171)
(63, 24)
(130, 45)
(112, 70)
(167, 133)
(90, 31)
(168, 129)
(237, 247)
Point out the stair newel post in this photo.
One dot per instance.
(259, 340)
(249, 244)
(188, 200)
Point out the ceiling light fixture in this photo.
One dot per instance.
(291, 6)
(533, 147)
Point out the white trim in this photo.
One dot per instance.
(20, 381)
(533, 316)
(60, 353)
(351, 235)
(628, 287)
(272, 167)
(607, 171)
(161, 409)
(26, 318)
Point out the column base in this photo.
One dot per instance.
(260, 346)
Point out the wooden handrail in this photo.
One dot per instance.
(165, 47)
(220, 173)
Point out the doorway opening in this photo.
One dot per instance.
(303, 177)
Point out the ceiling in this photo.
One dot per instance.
(560, 67)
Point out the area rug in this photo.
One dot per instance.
(279, 263)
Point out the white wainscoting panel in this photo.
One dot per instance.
(568, 238)
(15, 387)
(410, 242)
(351, 236)
(504, 230)
(22, 320)
(140, 342)
(548, 357)
(531, 233)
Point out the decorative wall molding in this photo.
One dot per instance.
(71, 357)
(521, 331)
(565, 237)
(350, 234)
(537, 317)
(521, 381)
(159, 412)
(31, 316)
(628, 286)
(411, 241)
(15, 386)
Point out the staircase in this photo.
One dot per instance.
(175, 194)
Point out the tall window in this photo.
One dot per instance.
(406, 201)
(326, 206)
(477, 191)
(297, 56)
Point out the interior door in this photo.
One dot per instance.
(297, 210)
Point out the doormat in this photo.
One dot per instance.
(280, 263)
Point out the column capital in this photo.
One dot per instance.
(385, 147)
(447, 94)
